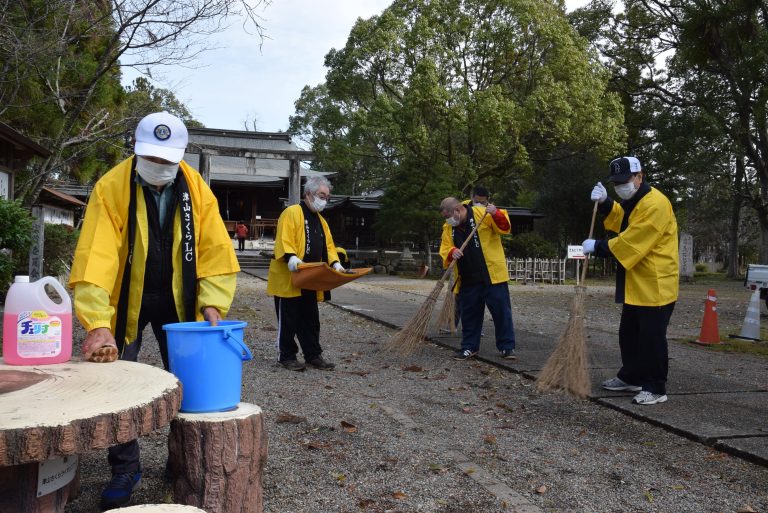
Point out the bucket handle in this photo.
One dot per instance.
(238, 345)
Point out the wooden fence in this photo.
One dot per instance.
(537, 270)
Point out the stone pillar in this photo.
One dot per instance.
(294, 182)
(205, 166)
(686, 256)
(38, 245)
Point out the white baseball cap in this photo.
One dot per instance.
(161, 135)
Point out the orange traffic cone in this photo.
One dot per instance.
(709, 332)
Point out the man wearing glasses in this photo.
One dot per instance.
(302, 236)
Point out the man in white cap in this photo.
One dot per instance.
(647, 277)
(154, 250)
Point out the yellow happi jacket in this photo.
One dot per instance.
(647, 249)
(97, 271)
(291, 239)
(490, 244)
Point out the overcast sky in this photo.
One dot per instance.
(239, 82)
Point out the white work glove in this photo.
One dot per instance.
(456, 253)
(588, 246)
(599, 193)
(338, 267)
(293, 263)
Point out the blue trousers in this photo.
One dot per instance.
(474, 299)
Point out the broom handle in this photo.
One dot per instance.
(591, 232)
(464, 245)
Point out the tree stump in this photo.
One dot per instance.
(48, 412)
(217, 459)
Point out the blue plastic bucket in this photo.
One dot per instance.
(208, 360)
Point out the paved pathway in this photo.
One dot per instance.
(718, 399)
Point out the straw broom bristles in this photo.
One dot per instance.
(408, 339)
(566, 368)
(447, 317)
(410, 336)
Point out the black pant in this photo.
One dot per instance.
(241, 244)
(643, 343)
(298, 317)
(156, 311)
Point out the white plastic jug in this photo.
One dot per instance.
(36, 329)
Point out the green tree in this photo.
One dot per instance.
(15, 236)
(431, 97)
(704, 72)
(61, 62)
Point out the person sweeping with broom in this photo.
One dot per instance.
(647, 278)
(483, 277)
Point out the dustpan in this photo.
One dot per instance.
(321, 276)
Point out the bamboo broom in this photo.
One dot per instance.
(446, 319)
(410, 336)
(566, 368)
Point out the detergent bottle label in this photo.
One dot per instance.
(38, 334)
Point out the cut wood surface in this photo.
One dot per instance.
(78, 406)
(217, 459)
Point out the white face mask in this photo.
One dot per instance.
(154, 173)
(479, 205)
(318, 204)
(626, 190)
(452, 221)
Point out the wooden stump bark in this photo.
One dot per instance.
(18, 484)
(52, 411)
(217, 459)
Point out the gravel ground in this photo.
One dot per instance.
(411, 426)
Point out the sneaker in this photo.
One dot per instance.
(464, 354)
(508, 354)
(118, 491)
(618, 385)
(318, 363)
(646, 397)
(293, 365)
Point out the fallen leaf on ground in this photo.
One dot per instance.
(413, 368)
(366, 503)
(289, 418)
(349, 428)
(489, 439)
(541, 489)
(746, 509)
(314, 446)
(437, 468)
(399, 495)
